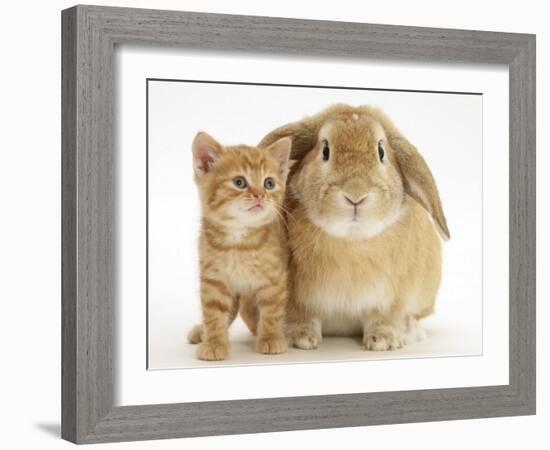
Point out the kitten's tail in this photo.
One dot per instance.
(196, 335)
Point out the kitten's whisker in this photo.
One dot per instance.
(276, 208)
(286, 210)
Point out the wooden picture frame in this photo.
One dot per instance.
(89, 37)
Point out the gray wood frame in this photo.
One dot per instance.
(89, 36)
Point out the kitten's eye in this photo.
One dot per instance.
(326, 150)
(240, 182)
(381, 152)
(269, 183)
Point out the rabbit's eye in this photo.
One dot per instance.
(326, 151)
(381, 151)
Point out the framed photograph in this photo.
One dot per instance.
(267, 229)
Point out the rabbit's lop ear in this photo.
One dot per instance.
(303, 135)
(419, 182)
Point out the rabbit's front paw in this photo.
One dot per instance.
(383, 338)
(306, 337)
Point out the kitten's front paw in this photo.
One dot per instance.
(382, 339)
(306, 338)
(271, 345)
(213, 351)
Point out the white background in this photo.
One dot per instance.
(447, 128)
(30, 226)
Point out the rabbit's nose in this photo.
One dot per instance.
(355, 202)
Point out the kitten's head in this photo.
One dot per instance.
(240, 186)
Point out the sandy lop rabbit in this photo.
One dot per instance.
(366, 257)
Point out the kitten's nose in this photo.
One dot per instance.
(258, 195)
(356, 202)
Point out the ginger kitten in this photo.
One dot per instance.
(242, 245)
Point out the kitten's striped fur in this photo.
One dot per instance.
(242, 247)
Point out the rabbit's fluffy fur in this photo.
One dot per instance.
(365, 255)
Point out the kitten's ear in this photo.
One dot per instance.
(280, 150)
(205, 152)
